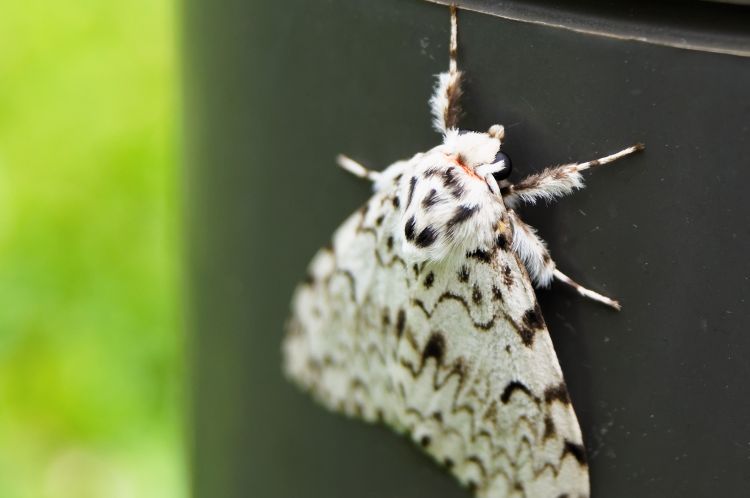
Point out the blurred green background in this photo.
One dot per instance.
(91, 347)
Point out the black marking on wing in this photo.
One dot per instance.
(533, 318)
(476, 295)
(351, 280)
(511, 388)
(478, 462)
(386, 319)
(400, 322)
(435, 348)
(491, 412)
(460, 215)
(389, 264)
(526, 335)
(549, 428)
(481, 255)
(409, 228)
(450, 296)
(557, 393)
(426, 237)
(412, 185)
(531, 322)
(429, 280)
(451, 182)
(497, 294)
(577, 450)
(463, 274)
(507, 276)
(430, 199)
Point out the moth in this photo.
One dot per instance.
(421, 313)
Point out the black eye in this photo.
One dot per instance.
(505, 172)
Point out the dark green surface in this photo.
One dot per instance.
(274, 91)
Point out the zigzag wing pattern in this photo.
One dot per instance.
(454, 354)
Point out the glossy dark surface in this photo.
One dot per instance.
(275, 90)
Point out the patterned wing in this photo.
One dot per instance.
(454, 352)
(480, 387)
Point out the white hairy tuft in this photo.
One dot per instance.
(533, 252)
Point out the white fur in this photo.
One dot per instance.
(532, 251)
(439, 101)
(476, 149)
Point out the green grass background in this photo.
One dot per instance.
(91, 368)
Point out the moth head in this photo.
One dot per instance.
(480, 152)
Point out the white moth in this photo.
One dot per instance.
(421, 313)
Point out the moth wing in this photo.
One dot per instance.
(343, 334)
(455, 354)
(480, 385)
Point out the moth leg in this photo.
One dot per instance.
(542, 269)
(553, 183)
(356, 169)
(586, 292)
(444, 103)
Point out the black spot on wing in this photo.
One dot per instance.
(557, 393)
(527, 335)
(452, 183)
(531, 323)
(400, 322)
(409, 228)
(476, 295)
(389, 243)
(549, 428)
(481, 255)
(430, 199)
(386, 318)
(429, 280)
(460, 215)
(575, 449)
(508, 279)
(412, 185)
(511, 388)
(533, 318)
(426, 237)
(396, 202)
(497, 294)
(435, 348)
(463, 274)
